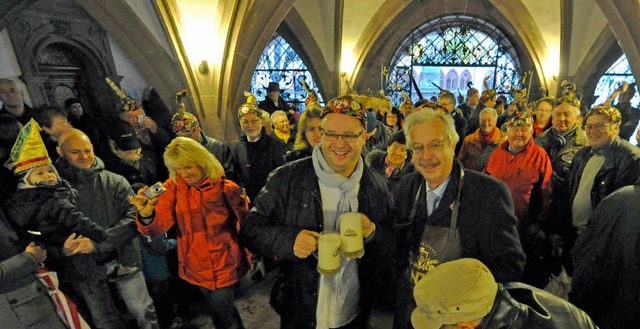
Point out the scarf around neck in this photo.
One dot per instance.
(326, 175)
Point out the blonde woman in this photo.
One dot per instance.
(308, 135)
(207, 210)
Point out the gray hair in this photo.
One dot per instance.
(277, 114)
(426, 116)
(9, 81)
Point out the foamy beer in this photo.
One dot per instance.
(351, 234)
(329, 252)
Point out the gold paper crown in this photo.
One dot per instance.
(250, 106)
(126, 103)
(312, 100)
(407, 104)
(28, 151)
(568, 94)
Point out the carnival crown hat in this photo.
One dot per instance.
(488, 94)
(348, 105)
(607, 111)
(312, 100)
(250, 106)
(183, 121)
(29, 151)
(407, 104)
(126, 103)
(520, 118)
(569, 96)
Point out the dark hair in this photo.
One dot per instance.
(397, 136)
(472, 91)
(69, 102)
(46, 114)
(394, 110)
(9, 129)
(500, 101)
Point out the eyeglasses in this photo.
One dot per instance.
(349, 138)
(250, 122)
(597, 126)
(436, 146)
(396, 148)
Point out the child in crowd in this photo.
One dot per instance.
(43, 207)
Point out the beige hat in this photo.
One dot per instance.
(460, 290)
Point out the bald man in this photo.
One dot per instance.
(103, 197)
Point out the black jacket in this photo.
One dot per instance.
(520, 306)
(486, 221)
(375, 160)
(222, 152)
(606, 283)
(255, 160)
(50, 210)
(291, 202)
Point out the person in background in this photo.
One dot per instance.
(127, 159)
(477, 146)
(266, 122)
(393, 120)
(9, 130)
(274, 101)
(376, 134)
(23, 302)
(186, 124)
(473, 98)
(605, 280)
(282, 129)
(464, 294)
(391, 163)
(309, 134)
(12, 98)
(198, 193)
(542, 116)
(89, 124)
(53, 122)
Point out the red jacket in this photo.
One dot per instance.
(472, 149)
(528, 175)
(208, 248)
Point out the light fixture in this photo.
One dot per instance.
(203, 67)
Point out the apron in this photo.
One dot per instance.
(437, 245)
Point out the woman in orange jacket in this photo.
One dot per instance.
(207, 210)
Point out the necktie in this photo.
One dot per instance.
(432, 201)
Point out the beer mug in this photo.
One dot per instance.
(351, 234)
(328, 252)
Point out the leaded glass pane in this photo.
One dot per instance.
(619, 72)
(280, 63)
(451, 51)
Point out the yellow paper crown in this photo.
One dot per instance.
(28, 151)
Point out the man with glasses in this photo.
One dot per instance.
(607, 164)
(256, 154)
(446, 212)
(306, 197)
(448, 101)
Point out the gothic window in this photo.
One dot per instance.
(617, 73)
(280, 63)
(464, 46)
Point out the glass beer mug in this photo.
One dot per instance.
(351, 234)
(329, 252)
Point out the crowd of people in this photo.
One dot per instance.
(472, 212)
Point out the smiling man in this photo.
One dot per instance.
(304, 198)
(608, 163)
(434, 226)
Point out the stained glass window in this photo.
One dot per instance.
(449, 52)
(280, 63)
(619, 72)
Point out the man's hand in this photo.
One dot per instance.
(367, 226)
(77, 244)
(39, 253)
(150, 124)
(306, 243)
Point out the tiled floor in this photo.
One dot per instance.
(253, 304)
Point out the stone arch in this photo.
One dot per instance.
(603, 52)
(623, 18)
(389, 31)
